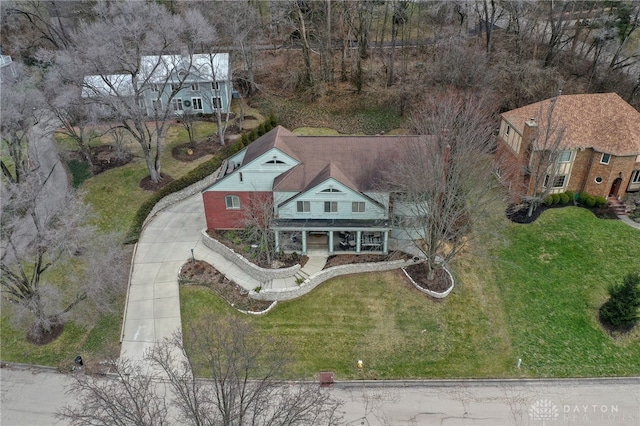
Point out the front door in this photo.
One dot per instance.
(615, 187)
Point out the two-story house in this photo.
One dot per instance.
(325, 190)
(598, 150)
(195, 84)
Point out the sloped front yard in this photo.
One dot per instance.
(534, 296)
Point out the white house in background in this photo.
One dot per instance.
(7, 69)
(197, 84)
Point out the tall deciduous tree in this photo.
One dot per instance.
(39, 234)
(114, 44)
(20, 101)
(244, 387)
(443, 185)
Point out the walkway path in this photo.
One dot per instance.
(153, 303)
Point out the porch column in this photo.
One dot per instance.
(330, 242)
(304, 242)
(358, 241)
(276, 237)
(385, 242)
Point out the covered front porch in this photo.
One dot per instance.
(335, 236)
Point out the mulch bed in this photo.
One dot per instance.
(106, 157)
(39, 338)
(518, 214)
(440, 283)
(346, 259)
(148, 185)
(188, 152)
(285, 260)
(203, 274)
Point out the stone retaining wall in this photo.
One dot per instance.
(432, 293)
(263, 275)
(178, 196)
(326, 274)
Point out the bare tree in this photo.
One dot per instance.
(39, 234)
(544, 147)
(77, 121)
(20, 101)
(126, 397)
(122, 81)
(244, 387)
(257, 217)
(443, 184)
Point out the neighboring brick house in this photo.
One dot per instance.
(599, 152)
(325, 190)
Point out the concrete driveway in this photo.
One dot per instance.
(153, 303)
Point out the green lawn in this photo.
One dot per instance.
(552, 278)
(533, 296)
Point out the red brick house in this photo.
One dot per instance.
(598, 153)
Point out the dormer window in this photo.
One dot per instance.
(606, 158)
(275, 161)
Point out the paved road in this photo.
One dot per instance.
(31, 396)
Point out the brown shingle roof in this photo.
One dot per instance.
(267, 141)
(602, 121)
(355, 161)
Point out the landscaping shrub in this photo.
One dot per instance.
(548, 200)
(621, 310)
(80, 172)
(571, 195)
(586, 199)
(600, 201)
(555, 198)
(564, 198)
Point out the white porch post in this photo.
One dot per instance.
(358, 241)
(276, 237)
(330, 242)
(304, 242)
(385, 242)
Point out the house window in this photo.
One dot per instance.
(232, 202)
(564, 156)
(507, 130)
(215, 86)
(558, 181)
(275, 161)
(330, 206)
(176, 104)
(175, 87)
(303, 206)
(157, 104)
(197, 104)
(357, 207)
(605, 158)
(195, 87)
(216, 103)
(330, 190)
(240, 175)
(635, 176)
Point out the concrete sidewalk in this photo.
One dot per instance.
(152, 311)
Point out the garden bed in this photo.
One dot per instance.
(203, 274)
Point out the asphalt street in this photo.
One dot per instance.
(32, 395)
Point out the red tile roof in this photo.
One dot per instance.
(602, 121)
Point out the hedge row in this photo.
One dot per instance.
(202, 171)
(582, 198)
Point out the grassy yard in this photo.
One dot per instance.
(533, 296)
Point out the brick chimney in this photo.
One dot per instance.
(529, 135)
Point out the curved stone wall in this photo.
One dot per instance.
(326, 274)
(263, 275)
